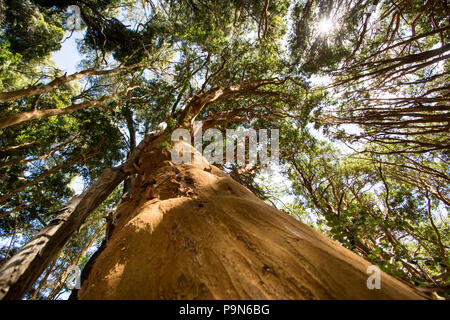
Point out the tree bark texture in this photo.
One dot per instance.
(192, 232)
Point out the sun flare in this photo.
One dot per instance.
(325, 26)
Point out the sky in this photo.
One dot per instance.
(67, 58)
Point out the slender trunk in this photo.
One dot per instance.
(43, 156)
(18, 273)
(191, 232)
(14, 150)
(130, 180)
(65, 273)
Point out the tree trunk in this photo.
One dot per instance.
(19, 272)
(191, 232)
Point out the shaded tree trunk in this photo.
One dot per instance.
(191, 232)
(19, 272)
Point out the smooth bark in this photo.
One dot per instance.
(36, 114)
(42, 89)
(191, 232)
(19, 273)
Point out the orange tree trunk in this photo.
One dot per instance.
(192, 232)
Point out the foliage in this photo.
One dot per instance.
(364, 158)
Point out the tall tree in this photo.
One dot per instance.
(224, 63)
